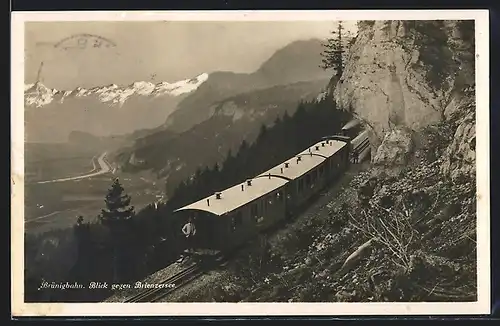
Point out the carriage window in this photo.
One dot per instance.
(301, 184)
(279, 196)
(321, 169)
(257, 211)
(308, 179)
(253, 210)
(238, 219)
(270, 199)
(314, 175)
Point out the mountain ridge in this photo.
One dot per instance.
(296, 62)
(39, 95)
(233, 120)
(51, 115)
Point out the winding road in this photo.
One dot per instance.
(104, 168)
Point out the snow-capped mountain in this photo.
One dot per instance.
(39, 95)
(51, 114)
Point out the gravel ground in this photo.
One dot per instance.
(197, 288)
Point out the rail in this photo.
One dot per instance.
(362, 146)
(180, 279)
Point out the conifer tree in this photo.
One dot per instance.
(81, 230)
(117, 217)
(335, 47)
(262, 132)
(243, 149)
(118, 208)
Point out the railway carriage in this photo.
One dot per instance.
(360, 147)
(231, 217)
(310, 171)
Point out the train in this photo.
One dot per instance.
(229, 218)
(360, 147)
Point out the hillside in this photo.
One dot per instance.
(298, 61)
(175, 156)
(52, 114)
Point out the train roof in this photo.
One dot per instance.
(320, 151)
(326, 147)
(234, 197)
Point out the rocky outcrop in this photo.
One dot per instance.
(459, 158)
(395, 149)
(402, 76)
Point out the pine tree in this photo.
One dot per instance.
(242, 150)
(117, 217)
(335, 47)
(118, 208)
(262, 133)
(81, 231)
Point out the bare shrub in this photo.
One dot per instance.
(391, 228)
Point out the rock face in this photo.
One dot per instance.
(403, 76)
(395, 149)
(460, 156)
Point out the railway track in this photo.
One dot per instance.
(177, 281)
(180, 279)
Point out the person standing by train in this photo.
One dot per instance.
(189, 231)
(355, 157)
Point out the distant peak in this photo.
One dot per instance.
(37, 87)
(28, 86)
(141, 83)
(202, 77)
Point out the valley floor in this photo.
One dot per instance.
(56, 205)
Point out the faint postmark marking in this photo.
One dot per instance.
(84, 41)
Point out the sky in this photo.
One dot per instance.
(154, 50)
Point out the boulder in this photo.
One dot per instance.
(396, 148)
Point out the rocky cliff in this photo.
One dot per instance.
(402, 77)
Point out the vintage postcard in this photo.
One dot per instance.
(250, 163)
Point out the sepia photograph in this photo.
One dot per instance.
(321, 162)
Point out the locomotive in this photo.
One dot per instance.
(231, 217)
